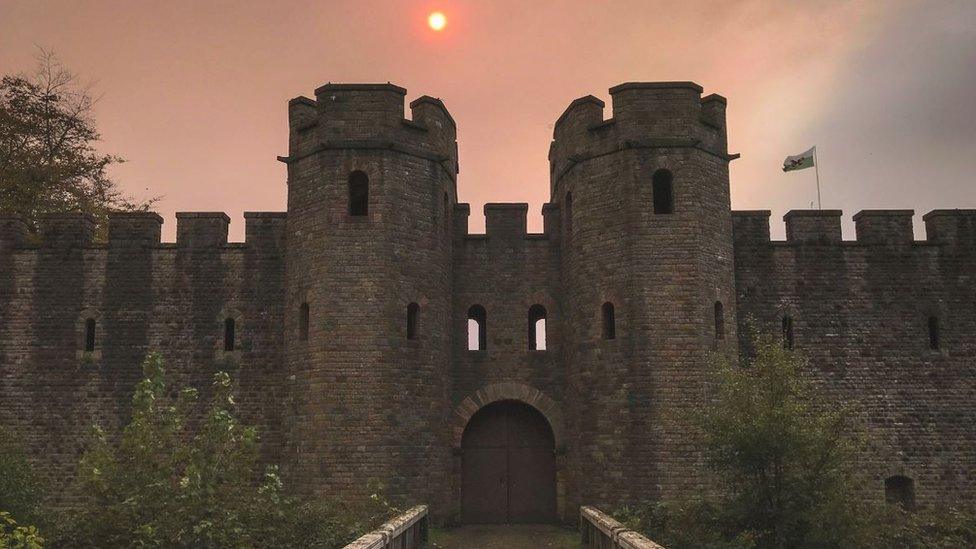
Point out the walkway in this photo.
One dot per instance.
(505, 536)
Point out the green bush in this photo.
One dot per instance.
(13, 536)
(947, 527)
(168, 483)
(785, 457)
(784, 451)
(694, 523)
(20, 491)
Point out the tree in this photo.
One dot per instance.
(781, 454)
(170, 481)
(784, 450)
(48, 159)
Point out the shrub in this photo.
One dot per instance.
(947, 527)
(783, 449)
(13, 536)
(784, 455)
(167, 483)
(20, 491)
(694, 523)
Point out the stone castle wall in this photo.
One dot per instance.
(861, 310)
(143, 296)
(357, 401)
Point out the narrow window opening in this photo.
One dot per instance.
(90, 334)
(900, 490)
(788, 332)
(358, 193)
(303, 322)
(934, 333)
(413, 317)
(229, 335)
(477, 328)
(537, 328)
(663, 192)
(568, 221)
(609, 323)
(447, 210)
(719, 320)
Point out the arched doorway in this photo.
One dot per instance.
(508, 466)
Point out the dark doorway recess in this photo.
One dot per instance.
(508, 466)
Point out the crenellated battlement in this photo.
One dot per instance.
(66, 230)
(643, 115)
(13, 232)
(194, 231)
(197, 230)
(134, 229)
(371, 116)
(884, 227)
(813, 226)
(889, 228)
(951, 227)
(506, 222)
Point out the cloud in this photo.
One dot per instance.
(916, 81)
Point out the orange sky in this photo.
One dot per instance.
(194, 92)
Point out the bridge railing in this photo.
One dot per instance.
(408, 530)
(599, 530)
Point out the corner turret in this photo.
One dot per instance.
(646, 259)
(368, 244)
(371, 116)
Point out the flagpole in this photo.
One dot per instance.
(816, 168)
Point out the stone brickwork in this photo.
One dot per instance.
(142, 295)
(346, 396)
(861, 311)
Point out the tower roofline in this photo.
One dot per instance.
(435, 102)
(580, 101)
(360, 87)
(655, 86)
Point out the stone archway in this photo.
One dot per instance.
(508, 466)
(508, 441)
(508, 391)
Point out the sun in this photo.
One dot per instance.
(437, 21)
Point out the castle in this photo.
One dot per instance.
(503, 376)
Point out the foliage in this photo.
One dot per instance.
(13, 536)
(169, 483)
(695, 523)
(941, 528)
(48, 159)
(20, 491)
(784, 451)
(782, 454)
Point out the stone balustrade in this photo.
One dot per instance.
(408, 530)
(599, 530)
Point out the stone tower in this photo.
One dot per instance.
(647, 276)
(369, 245)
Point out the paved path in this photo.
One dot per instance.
(505, 536)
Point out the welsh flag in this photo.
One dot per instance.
(800, 161)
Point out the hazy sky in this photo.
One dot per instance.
(194, 92)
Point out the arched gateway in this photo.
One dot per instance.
(508, 465)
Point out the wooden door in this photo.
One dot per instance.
(508, 466)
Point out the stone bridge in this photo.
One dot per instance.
(411, 530)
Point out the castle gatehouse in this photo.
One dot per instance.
(505, 376)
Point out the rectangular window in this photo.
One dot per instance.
(90, 335)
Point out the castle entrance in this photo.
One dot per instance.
(508, 466)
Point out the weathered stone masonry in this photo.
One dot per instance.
(639, 221)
